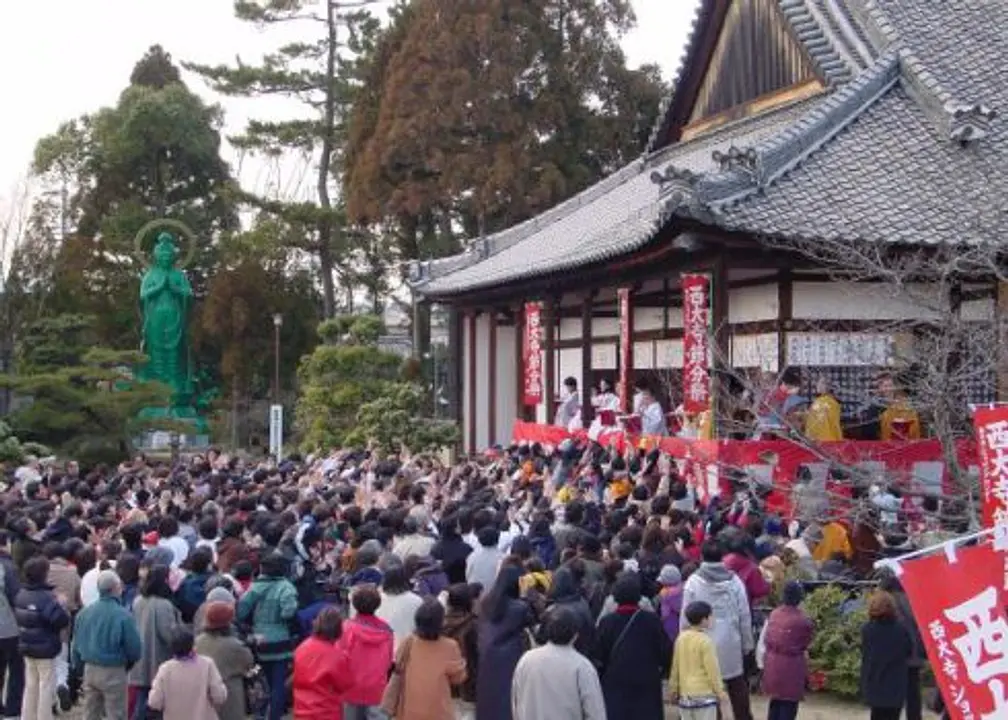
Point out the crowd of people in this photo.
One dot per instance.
(531, 583)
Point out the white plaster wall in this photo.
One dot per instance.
(602, 327)
(978, 310)
(540, 410)
(569, 365)
(755, 351)
(604, 356)
(483, 381)
(644, 355)
(570, 328)
(668, 354)
(506, 387)
(752, 304)
(648, 318)
(859, 301)
(466, 390)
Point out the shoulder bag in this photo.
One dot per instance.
(394, 695)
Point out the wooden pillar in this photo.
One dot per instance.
(624, 356)
(521, 411)
(586, 359)
(785, 314)
(471, 382)
(492, 379)
(549, 324)
(722, 338)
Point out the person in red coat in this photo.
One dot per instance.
(322, 675)
(782, 648)
(369, 641)
(740, 561)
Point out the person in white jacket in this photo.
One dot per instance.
(732, 630)
(555, 681)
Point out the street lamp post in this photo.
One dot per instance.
(277, 324)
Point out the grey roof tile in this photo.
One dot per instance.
(908, 150)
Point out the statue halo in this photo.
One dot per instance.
(178, 228)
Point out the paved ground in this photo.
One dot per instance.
(816, 708)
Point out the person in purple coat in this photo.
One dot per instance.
(783, 645)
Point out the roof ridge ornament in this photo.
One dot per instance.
(747, 161)
(679, 193)
(969, 123)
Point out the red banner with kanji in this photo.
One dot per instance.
(992, 445)
(696, 343)
(625, 347)
(958, 600)
(532, 354)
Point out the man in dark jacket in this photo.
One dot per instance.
(41, 617)
(918, 653)
(11, 664)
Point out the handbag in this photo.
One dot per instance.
(257, 693)
(392, 698)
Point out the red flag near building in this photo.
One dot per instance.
(958, 600)
(532, 354)
(992, 446)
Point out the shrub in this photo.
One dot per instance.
(838, 615)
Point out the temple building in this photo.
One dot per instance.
(793, 126)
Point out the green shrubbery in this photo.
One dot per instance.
(835, 654)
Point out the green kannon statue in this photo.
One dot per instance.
(166, 299)
(166, 296)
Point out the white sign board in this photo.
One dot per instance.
(276, 431)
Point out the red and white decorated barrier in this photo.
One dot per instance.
(920, 463)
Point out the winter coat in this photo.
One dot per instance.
(545, 548)
(885, 652)
(670, 607)
(501, 644)
(191, 594)
(918, 654)
(156, 620)
(482, 566)
(452, 553)
(233, 660)
(432, 669)
(429, 580)
(231, 551)
(105, 634)
(40, 618)
(786, 638)
(556, 682)
(322, 676)
(9, 587)
(756, 586)
(731, 631)
(188, 689)
(632, 668)
(399, 611)
(462, 628)
(66, 580)
(369, 642)
(270, 605)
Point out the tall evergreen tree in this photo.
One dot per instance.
(321, 72)
(482, 113)
(156, 153)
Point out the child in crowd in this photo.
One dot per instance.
(696, 682)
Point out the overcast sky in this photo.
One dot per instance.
(63, 58)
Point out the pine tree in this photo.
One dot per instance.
(321, 72)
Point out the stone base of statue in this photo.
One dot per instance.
(191, 431)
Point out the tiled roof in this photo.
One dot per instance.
(905, 148)
(614, 217)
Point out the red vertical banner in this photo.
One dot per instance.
(532, 354)
(625, 347)
(962, 622)
(992, 446)
(696, 343)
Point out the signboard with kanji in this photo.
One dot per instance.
(992, 445)
(696, 343)
(532, 354)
